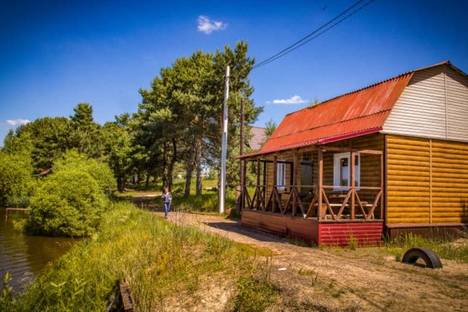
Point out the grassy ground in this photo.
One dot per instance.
(207, 202)
(445, 248)
(165, 264)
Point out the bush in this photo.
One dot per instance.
(16, 181)
(98, 170)
(69, 202)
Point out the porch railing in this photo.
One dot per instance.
(325, 202)
(345, 204)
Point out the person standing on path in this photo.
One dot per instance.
(167, 200)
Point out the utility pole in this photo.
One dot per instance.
(240, 205)
(222, 184)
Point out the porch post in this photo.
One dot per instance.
(353, 184)
(275, 177)
(320, 183)
(264, 188)
(382, 185)
(244, 163)
(294, 180)
(258, 190)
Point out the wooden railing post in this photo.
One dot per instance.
(320, 183)
(264, 188)
(275, 178)
(353, 184)
(382, 186)
(294, 180)
(258, 189)
(243, 183)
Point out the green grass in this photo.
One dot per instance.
(207, 202)
(255, 294)
(445, 248)
(159, 260)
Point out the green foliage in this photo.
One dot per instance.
(270, 127)
(6, 295)
(178, 119)
(16, 181)
(100, 171)
(85, 135)
(43, 139)
(69, 203)
(118, 150)
(159, 260)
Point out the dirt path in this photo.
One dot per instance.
(346, 279)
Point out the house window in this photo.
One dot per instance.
(342, 172)
(280, 176)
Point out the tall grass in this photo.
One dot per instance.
(159, 260)
(445, 248)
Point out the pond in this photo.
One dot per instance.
(25, 256)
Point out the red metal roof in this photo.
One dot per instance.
(353, 114)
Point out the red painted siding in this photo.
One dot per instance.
(311, 231)
(295, 227)
(339, 233)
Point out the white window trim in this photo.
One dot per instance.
(280, 175)
(336, 171)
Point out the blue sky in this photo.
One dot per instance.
(55, 54)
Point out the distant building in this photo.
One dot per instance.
(257, 138)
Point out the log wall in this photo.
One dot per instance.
(427, 180)
(370, 164)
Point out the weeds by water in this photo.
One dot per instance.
(158, 259)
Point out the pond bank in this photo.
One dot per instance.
(167, 267)
(25, 256)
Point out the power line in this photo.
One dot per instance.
(350, 11)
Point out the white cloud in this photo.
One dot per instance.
(295, 99)
(207, 26)
(17, 122)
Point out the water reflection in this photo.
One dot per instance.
(25, 256)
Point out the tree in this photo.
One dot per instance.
(180, 116)
(270, 127)
(98, 170)
(16, 181)
(118, 151)
(85, 133)
(240, 88)
(43, 140)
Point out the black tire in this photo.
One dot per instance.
(430, 258)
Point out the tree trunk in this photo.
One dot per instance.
(164, 163)
(199, 179)
(121, 184)
(147, 179)
(170, 169)
(188, 178)
(198, 168)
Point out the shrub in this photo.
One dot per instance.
(100, 171)
(69, 202)
(16, 181)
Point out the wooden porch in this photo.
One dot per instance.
(320, 211)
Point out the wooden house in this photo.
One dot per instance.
(385, 159)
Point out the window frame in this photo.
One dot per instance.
(280, 171)
(337, 157)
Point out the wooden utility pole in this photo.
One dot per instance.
(240, 205)
(224, 138)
